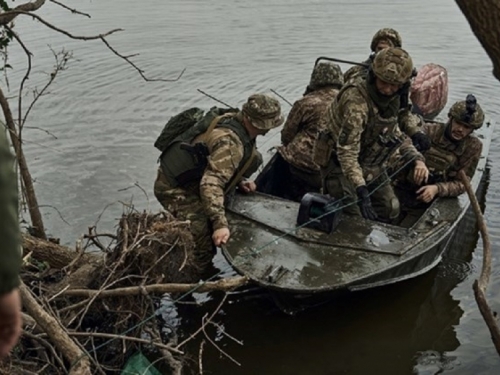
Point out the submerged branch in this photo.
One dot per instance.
(481, 284)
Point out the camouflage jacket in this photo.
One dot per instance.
(465, 155)
(350, 120)
(10, 256)
(226, 153)
(301, 129)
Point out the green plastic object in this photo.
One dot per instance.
(138, 364)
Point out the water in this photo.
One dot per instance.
(105, 118)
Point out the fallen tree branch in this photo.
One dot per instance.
(481, 284)
(79, 360)
(126, 338)
(221, 285)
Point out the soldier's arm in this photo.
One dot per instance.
(354, 115)
(407, 149)
(468, 163)
(226, 152)
(10, 256)
(292, 124)
(410, 123)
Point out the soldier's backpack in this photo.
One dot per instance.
(188, 124)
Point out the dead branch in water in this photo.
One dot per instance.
(481, 284)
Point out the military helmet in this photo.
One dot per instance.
(326, 74)
(391, 35)
(393, 65)
(263, 111)
(467, 112)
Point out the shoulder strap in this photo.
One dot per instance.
(202, 137)
(236, 179)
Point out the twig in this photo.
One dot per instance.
(45, 344)
(54, 208)
(125, 338)
(217, 346)
(42, 130)
(223, 331)
(221, 285)
(80, 361)
(74, 11)
(141, 72)
(203, 324)
(481, 284)
(200, 356)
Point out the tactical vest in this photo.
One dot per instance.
(182, 167)
(439, 160)
(380, 138)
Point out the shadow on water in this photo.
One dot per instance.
(406, 328)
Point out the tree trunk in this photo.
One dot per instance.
(34, 210)
(483, 17)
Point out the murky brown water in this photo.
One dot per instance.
(106, 118)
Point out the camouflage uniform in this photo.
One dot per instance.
(10, 256)
(202, 201)
(358, 72)
(301, 129)
(447, 157)
(363, 135)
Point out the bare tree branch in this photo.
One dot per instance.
(72, 10)
(141, 72)
(8, 17)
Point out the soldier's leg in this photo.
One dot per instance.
(385, 202)
(186, 205)
(337, 186)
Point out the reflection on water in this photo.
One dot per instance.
(106, 119)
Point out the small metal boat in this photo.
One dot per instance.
(268, 247)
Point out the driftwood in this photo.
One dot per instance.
(220, 285)
(87, 310)
(481, 284)
(79, 360)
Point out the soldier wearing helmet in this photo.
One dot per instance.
(302, 127)
(454, 148)
(363, 133)
(193, 185)
(383, 38)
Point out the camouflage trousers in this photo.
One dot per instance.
(185, 204)
(383, 197)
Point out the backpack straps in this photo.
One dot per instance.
(202, 137)
(242, 171)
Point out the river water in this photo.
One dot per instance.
(106, 118)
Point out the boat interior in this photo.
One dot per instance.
(275, 180)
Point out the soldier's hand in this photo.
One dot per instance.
(220, 236)
(420, 173)
(10, 321)
(421, 141)
(427, 193)
(366, 204)
(247, 186)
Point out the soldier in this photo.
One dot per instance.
(363, 134)
(410, 124)
(383, 38)
(10, 256)
(194, 188)
(454, 148)
(302, 127)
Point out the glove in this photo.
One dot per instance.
(421, 141)
(366, 204)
